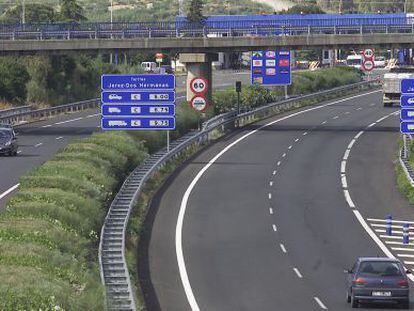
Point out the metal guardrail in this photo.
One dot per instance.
(14, 111)
(113, 266)
(31, 115)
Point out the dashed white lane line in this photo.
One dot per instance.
(271, 183)
(283, 155)
(274, 228)
(348, 199)
(184, 202)
(324, 122)
(372, 124)
(92, 115)
(359, 108)
(290, 147)
(278, 163)
(59, 138)
(8, 191)
(296, 140)
(343, 167)
(335, 117)
(344, 182)
(19, 152)
(271, 211)
(381, 119)
(270, 196)
(68, 121)
(373, 104)
(304, 134)
(298, 273)
(347, 112)
(38, 145)
(283, 248)
(274, 172)
(357, 136)
(45, 126)
(320, 303)
(346, 155)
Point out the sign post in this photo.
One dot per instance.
(138, 102)
(238, 90)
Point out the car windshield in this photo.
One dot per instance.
(380, 268)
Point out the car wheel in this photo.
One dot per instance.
(348, 298)
(354, 302)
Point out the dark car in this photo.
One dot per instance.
(378, 280)
(8, 141)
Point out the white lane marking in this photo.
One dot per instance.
(391, 237)
(324, 122)
(283, 155)
(271, 211)
(290, 147)
(409, 263)
(405, 256)
(278, 163)
(394, 221)
(92, 115)
(19, 152)
(8, 191)
(402, 249)
(358, 135)
(343, 167)
(372, 124)
(296, 140)
(346, 155)
(271, 183)
(184, 202)
(381, 119)
(298, 273)
(351, 144)
(335, 117)
(373, 104)
(359, 108)
(385, 226)
(49, 125)
(347, 112)
(274, 172)
(68, 121)
(348, 199)
(304, 134)
(274, 228)
(270, 196)
(320, 303)
(283, 248)
(394, 232)
(38, 145)
(59, 138)
(344, 182)
(398, 243)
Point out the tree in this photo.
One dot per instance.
(13, 79)
(195, 12)
(71, 11)
(303, 9)
(34, 13)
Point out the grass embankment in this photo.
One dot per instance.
(49, 232)
(403, 184)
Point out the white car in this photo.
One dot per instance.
(380, 62)
(115, 97)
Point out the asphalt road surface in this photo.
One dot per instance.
(269, 217)
(39, 141)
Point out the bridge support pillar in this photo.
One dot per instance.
(199, 65)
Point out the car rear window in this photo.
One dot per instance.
(380, 268)
(5, 134)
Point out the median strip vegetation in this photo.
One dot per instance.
(49, 232)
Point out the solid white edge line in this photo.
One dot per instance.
(38, 145)
(184, 202)
(358, 135)
(344, 182)
(348, 199)
(300, 276)
(343, 167)
(351, 144)
(372, 124)
(8, 191)
(68, 121)
(346, 155)
(320, 303)
(283, 248)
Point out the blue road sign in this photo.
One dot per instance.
(112, 82)
(271, 68)
(407, 114)
(407, 127)
(138, 97)
(407, 101)
(407, 86)
(141, 110)
(138, 123)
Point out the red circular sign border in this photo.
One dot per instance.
(192, 99)
(368, 57)
(205, 89)
(365, 68)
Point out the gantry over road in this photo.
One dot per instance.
(218, 34)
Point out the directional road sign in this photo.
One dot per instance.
(407, 101)
(271, 68)
(199, 103)
(146, 110)
(138, 97)
(112, 82)
(138, 123)
(407, 127)
(199, 85)
(407, 86)
(407, 114)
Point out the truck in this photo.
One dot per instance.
(391, 87)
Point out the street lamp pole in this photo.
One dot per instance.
(112, 12)
(23, 12)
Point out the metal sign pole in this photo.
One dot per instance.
(286, 92)
(168, 141)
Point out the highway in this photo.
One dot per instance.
(39, 141)
(269, 217)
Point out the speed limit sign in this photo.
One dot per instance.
(368, 65)
(199, 103)
(368, 53)
(198, 85)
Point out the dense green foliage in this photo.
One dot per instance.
(307, 8)
(195, 12)
(304, 82)
(402, 181)
(13, 79)
(361, 5)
